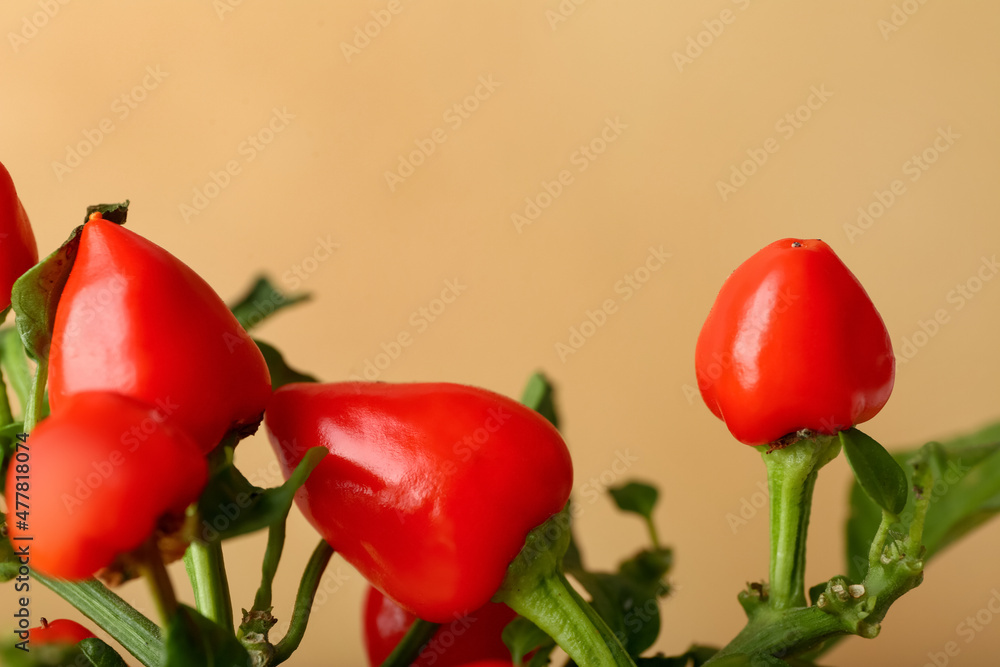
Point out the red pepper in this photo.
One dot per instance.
(99, 476)
(59, 631)
(135, 320)
(473, 637)
(793, 342)
(429, 490)
(18, 250)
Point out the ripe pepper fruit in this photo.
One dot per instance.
(793, 342)
(18, 250)
(134, 319)
(470, 638)
(101, 474)
(429, 489)
(59, 631)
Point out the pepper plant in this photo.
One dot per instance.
(118, 459)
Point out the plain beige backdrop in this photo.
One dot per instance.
(254, 136)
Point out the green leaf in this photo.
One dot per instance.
(8, 440)
(522, 637)
(877, 472)
(36, 295)
(8, 561)
(100, 654)
(231, 506)
(965, 494)
(281, 372)
(15, 364)
(636, 497)
(539, 395)
(696, 656)
(262, 301)
(116, 213)
(192, 639)
(542, 656)
(628, 600)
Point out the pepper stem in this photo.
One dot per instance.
(791, 479)
(536, 588)
(408, 649)
(150, 564)
(303, 602)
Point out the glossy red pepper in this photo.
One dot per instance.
(18, 250)
(473, 637)
(793, 342)
(429, 489)
(99, 475)
(135, 320)
(59, 631)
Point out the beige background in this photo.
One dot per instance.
(683, 127)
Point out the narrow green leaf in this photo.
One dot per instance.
(231, 506)
(100, 654)
(281, 372)
(262, 301)
(542, 656)
(192, 639)
(539, 395)
(636, 497)
(36, 295)
(15, 364)
(522, 637)
(877, 472)
(8, 561)
(965, 494)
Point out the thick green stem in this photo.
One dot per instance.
(207, 571)
(408, 649)
(791, 479)
(35, 408)
(536, 588)
(136, 633)
(844, 608)
(269, 568)
(303, 602)
(150, 564)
